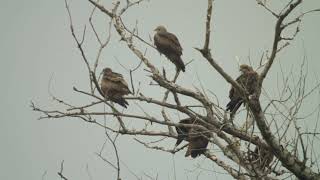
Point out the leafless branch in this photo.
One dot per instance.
(60, 173)
(274, 121)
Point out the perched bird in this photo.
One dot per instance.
(114, 87)
(168, 44)
(198, 140)
(249, 81)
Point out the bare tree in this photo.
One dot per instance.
(278, 148)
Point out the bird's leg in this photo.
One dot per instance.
(177, 72)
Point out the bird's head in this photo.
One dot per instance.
(160, 29)
(106, 71)
(244, 68)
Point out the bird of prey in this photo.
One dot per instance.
(198, 140)
(168, 44)
(114, 87)
(249, 81)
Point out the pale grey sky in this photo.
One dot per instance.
(36, 45)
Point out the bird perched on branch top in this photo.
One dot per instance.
(114, 87)
(198, 140)
(168, 44)
(249, 81)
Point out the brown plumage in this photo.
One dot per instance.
(168, 44)
(198, 141)
(249, 81)
(114, 87)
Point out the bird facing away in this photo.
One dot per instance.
(198, 141)
(168, 44)
(249, 81)
(114, 87)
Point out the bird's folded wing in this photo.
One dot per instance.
(169, 40)
(118, 78)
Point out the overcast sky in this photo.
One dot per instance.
(36, 46)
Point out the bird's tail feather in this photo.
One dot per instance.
(180, 64)
(179, 140)
(182, 134)
(182, 131)
(194, 152)
(234, 105)
(175, 59)
(121, 101)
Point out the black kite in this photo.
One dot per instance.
(168, 44)
(114, 87)
(249, 81)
